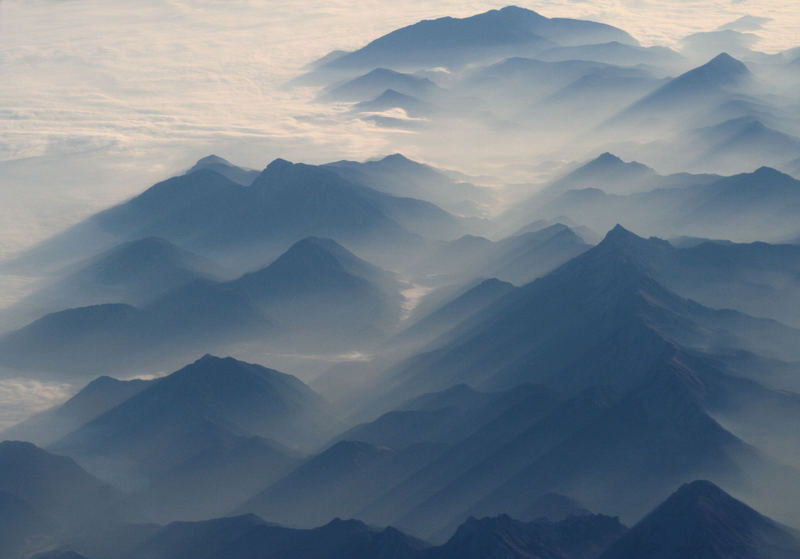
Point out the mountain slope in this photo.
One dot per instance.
(217, 423)
(701, 520)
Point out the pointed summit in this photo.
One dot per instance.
(701, 520)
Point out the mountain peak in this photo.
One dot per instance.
(724, 63)
(702, 520)
(278, 164)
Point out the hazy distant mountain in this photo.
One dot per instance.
(309, 288)
(215, 421)
(210, 214)
(391, 99)
(614, 52)
(296, 301)
(453, 42)
(793, 167)
(518, 259)
(455, 311)
(701, 520)
(134, 272)
(54, 486)
(379, 80)
(708, 43)
(691, 93)
(339, 482)
(19, 525)
(743, 207)
(399, 176)
(245, 177)
(741, 144)
(97, 397)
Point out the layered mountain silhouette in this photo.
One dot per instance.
(210, 214)
(629, 338)
(690, 93)
(217, 423)
(739, 207)
(518, 259)
(134, 272)
(297, 300)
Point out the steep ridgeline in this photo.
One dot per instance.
(636, 375)
(297, 301)
(197, 442)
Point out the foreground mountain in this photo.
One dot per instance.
(701, 520)
(203, 438)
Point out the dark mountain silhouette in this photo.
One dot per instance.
(338, 482)
(578, 537)
(212, 422)
(701, 520)
(97, 397)
(453, 42)
(399, 176)
(379, 80)
(245, 177)
(248, 537)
